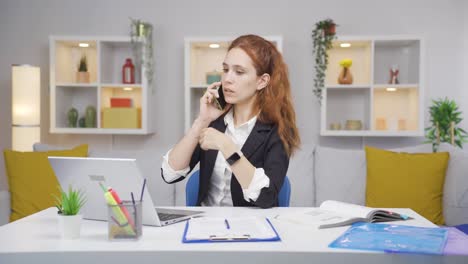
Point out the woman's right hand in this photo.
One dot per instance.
(208, 110)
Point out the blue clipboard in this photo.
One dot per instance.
(236, 238)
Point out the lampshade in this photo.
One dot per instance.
(26, 106)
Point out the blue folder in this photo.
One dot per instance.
(240, 237)
(393, 238)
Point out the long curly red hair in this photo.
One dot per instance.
(274, 101)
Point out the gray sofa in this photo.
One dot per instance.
(316, 174)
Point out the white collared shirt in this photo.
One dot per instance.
(219, 191)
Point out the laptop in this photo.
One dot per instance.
(123, 175)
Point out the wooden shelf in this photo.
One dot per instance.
(382, 111)
(106, 56)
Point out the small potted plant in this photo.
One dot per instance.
(141, 36)
(322, 36)
(69, 205)
(82, 76)
(445, 118)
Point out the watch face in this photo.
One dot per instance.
(233, 158)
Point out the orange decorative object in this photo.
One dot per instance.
(121, 102)
(402, 124)
(345, 76)
(381, 124)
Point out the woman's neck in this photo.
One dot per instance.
(243, 113)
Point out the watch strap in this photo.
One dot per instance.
(236, 156)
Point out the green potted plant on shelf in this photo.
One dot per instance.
(69, 205)
(445, 118)
(322, 36)
(82, 76)
(141, 35)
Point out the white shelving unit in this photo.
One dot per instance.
(199, 59)
(105, 57)
(384, 109)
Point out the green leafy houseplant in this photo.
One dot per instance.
(70, 203)
(83, 65)
(322, 36)
(445, 118)
(141, 36)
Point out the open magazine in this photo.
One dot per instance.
(334, 213)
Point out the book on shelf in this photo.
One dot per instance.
(334, 213)
(120, 102)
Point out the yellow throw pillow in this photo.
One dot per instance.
(404, 180)
(32, 180)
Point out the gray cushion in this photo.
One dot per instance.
(4, 207)
(455, 200)
(41, 147)
(301, 176)
(340, 175)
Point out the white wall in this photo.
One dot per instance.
(26, 25)
(464, 88)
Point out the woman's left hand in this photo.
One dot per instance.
(211, 138)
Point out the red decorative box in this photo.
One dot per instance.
(121, 102)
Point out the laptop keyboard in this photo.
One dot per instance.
(165, 217)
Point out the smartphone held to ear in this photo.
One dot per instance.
(220, 102)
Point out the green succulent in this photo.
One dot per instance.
(83, 65)
(69, 203)
(445, 115)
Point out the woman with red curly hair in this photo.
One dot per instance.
(243, 150)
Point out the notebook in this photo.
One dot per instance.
(123, 175)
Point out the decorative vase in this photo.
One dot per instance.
(70, 226)
(353, 125)
(82, 77)
(128, 72)
(72, 116)
(212, 77)
(90, 117)
(81, 122)
(345, 76)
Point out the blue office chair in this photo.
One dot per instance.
(191, 191)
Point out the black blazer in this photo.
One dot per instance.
(263, 148)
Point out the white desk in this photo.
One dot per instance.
(35, 239)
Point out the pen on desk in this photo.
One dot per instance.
(133, 199)
(134, 209)
(102, 187)
(227, 224)
(142, 190)
(134, 206)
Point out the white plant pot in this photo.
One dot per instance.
(70, 226)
